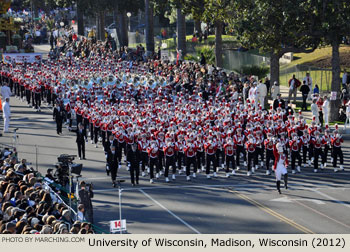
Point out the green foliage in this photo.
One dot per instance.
(50, 23)
(191, 57)
(208, 52)
(260, 71)
(274, 26)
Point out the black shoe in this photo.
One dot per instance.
(107, 173)
(137, 182)
(84, 158)
(279, 191)
(286, 187)
(114, 184)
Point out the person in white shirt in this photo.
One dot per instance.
(80, 214)
(262, 92)
(347, 112)
(325, 108)
(275, 89)
(5, 92)
(315, 112)
(308, 81)
(6, 113)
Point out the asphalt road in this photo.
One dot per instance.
(315, 203)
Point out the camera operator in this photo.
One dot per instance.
(85, 196)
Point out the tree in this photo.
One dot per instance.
(275, 27)
(217, 12)
(149, 26)
(333, 22)
(196, 9)
(181, 30)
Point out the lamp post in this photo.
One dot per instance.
(129, 15)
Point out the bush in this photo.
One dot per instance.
(208, 52)
(260, 71)
(191, 57)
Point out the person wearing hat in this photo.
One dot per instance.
(169, 152)
(180, 155)
(259, 141)
(190, 151)
(336, 142)
(318, 143)
(239, 140)
(280, 166)
(315, 111)
(327, 147)
(295, 147)
(229, 150)
(305, 143)
(278, 103)
(134, 159)
(268, 143)
(251, 153)
(153, 153)
(210, 151)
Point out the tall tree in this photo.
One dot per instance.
(333, 21)
(217, 12)
(149, 26)
(181, 29)
(275, 27)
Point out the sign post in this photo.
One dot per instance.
(117, 226)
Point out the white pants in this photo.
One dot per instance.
(325, 117)
(6, 123)
(280, 170)
(261, 100)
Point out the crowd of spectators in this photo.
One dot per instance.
(29, 205)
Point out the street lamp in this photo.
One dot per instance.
(129, 15)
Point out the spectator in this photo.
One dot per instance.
(316, 90)
(275, 90)
(294, 84)
(85, 196)
(305, 90)
(315, 112)
(308, 81)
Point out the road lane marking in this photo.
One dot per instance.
(318, 212)
(170, 212)
(272, 212)
(331, 198)
(289, 200)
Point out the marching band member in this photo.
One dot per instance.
(280, 166)
(336, 142)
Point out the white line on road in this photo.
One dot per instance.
(170, 212)
(331, 198)
(180, 186)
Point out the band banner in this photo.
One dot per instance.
(9, 58)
